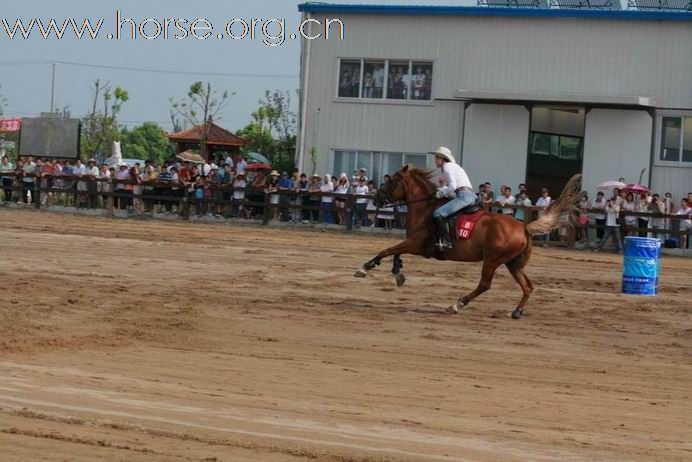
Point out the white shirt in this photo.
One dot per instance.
(455, 176)
(361, 190)
(240, 168)
(599, 205)
(685, 224)
(543, 201)
(505, 201)
(79, 170)
(612, 211)
(93, 171)
(229, 162)
(327, 188)
(239, 194)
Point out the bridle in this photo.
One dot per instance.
(392, 203)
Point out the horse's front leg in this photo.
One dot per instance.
(396, 271)
(406, 246)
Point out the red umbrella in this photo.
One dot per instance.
(636, 188)
(252, 167)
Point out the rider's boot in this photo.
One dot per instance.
(444, 241)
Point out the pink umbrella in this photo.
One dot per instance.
(636, 188)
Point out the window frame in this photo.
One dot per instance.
(659, 138)
(384, 99)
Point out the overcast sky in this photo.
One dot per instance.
(27, 86)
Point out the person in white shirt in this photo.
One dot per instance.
(543, 202)
(361, 189)
(238, 194)
(460, 190)
(507, 199)
(342, 187)
(327, 201)
(240, 165)
(524, 201)
(612, 209)
(656, 206)
(630, 221)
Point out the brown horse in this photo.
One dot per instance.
(497, 239)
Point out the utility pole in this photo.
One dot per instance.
(52, 91)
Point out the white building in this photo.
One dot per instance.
(520, 95)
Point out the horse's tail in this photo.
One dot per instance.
(564, 204)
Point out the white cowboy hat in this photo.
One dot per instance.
(274, 173)
(445, 153)
(315, 175)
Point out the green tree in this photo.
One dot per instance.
(100, 126)
(202, 105)
(272, 131)
(148, 141)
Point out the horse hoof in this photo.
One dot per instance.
(465, 301)
(360, 273)
(400, 279)
(452, 309)
(517, 313)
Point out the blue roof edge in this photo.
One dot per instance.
(421, 10)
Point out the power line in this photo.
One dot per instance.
(151, 70)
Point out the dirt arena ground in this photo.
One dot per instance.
(147, 341)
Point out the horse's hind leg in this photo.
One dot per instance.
(487, 274)
(396, 271)
(518, 274)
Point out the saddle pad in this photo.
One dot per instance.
(466, 224)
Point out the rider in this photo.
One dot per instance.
(460, 190)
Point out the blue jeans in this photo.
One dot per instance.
(462, 199)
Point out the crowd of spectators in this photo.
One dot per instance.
(225, 187)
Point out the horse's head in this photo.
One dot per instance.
(393, 190)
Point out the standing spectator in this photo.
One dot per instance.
(240, 164)
(489, 192)
(177, 191)
(303, 188)
(505, 200)
(315, 189)
(612, 227)
(361, 189)
(630, 221)
(7, 167)
(656, 207)
(19, 180)
(91, 173)
(239, 185)
(199, 195)
(340, 201)
(543, 202)
(669, 209)
(522, 188)
(28, 179)
(600, 204)
(272, 190)
(370, 206)
(685, 225)
(643, 202)
(295, 199)
(524, 201)
(162, 191)
(150, 176)
(121, 175)
(327, 200)
(583, 217)
(67, 185)
(79, 170)
(285, 187)
(134, 190)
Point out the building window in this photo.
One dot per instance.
(385, 79)
(676, 140)
(349, 78)
(376, 163)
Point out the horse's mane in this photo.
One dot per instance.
(422, 177)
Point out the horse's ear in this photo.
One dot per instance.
(404, 169)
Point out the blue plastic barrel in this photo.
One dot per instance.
(641, 266)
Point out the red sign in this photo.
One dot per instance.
(466, 223)
(10, 125)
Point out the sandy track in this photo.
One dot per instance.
(129, 340)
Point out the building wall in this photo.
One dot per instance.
(617, 143)
(530, 55)
(495, 144)
(675, 180)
